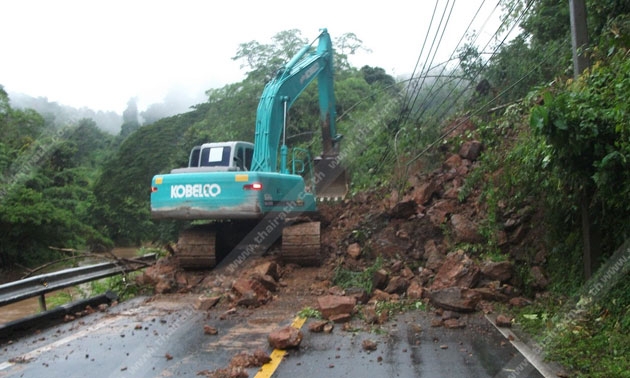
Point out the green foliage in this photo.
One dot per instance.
(373, 75)
(586, 124)
(124, 285)
(309, 313)
(591, 340)
(364, 279)
(121, 206)
(59, 299)
(44, 201)
(392, 308)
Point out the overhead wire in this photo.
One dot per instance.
(482, 107)
(426, 38)
(444, 111)
(430, 92)
(436, 49)
(409, 105)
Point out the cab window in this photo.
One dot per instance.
(249, 154)
(215, 157)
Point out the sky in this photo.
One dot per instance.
(100, 54)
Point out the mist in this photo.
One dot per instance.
(177, 100)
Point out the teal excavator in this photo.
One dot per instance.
(257, 193)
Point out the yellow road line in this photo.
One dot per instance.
(267, 370)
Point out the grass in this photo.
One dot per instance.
(59, 299)
(362, 279)
(124, 285)
(309, 313)
(397, 307)
(594, 342)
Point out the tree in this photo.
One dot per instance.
(378, 75)
(130, 119)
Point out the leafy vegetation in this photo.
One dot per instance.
(563, 141)
(345, 278)
(392, 308)
(309, 313)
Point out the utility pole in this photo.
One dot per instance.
(590, 231)
(579, 36)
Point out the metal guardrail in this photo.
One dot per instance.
(40, 285)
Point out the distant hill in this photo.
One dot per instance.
(175, 102)
(62, 115)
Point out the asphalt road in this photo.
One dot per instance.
(163, 337)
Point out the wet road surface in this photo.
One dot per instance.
(163, 337)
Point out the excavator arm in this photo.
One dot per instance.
(282, 91)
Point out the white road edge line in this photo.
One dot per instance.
(534, 358)
(36, 352)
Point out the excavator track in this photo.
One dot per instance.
(301, 244)
(196, 247)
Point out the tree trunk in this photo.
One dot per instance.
(591, 239)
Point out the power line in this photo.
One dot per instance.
(485, 64)
(426, 38)
(451, 101)
(444, 66)
(436, 49)
(479, 109)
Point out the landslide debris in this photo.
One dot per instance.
(425, 244)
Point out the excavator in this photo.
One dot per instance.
(257, 193)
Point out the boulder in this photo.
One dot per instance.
(539, 278)
(161, 276)
(404, 210)
(423, 193)
(439, 212)
(358, 293)
(519, 302)
(380, 296)
(317, 326)
(204, 303)
(465, 230)
(458, 270)
(369, 315)
(455, 299)
(330, 305)
(397, 285)
(453, 324)
(268, 268)
(471, 150)
(250, 292)
(369, 345)
(379, 279)
(497, 271)
(267, 281)
(452, 162)
(432, 254)
(209, 330)
(414, 291)
(285, 338)
(503, 321)
(340, 318)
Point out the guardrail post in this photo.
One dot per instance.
(42, 302)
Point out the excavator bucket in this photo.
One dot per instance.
(331, 179)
